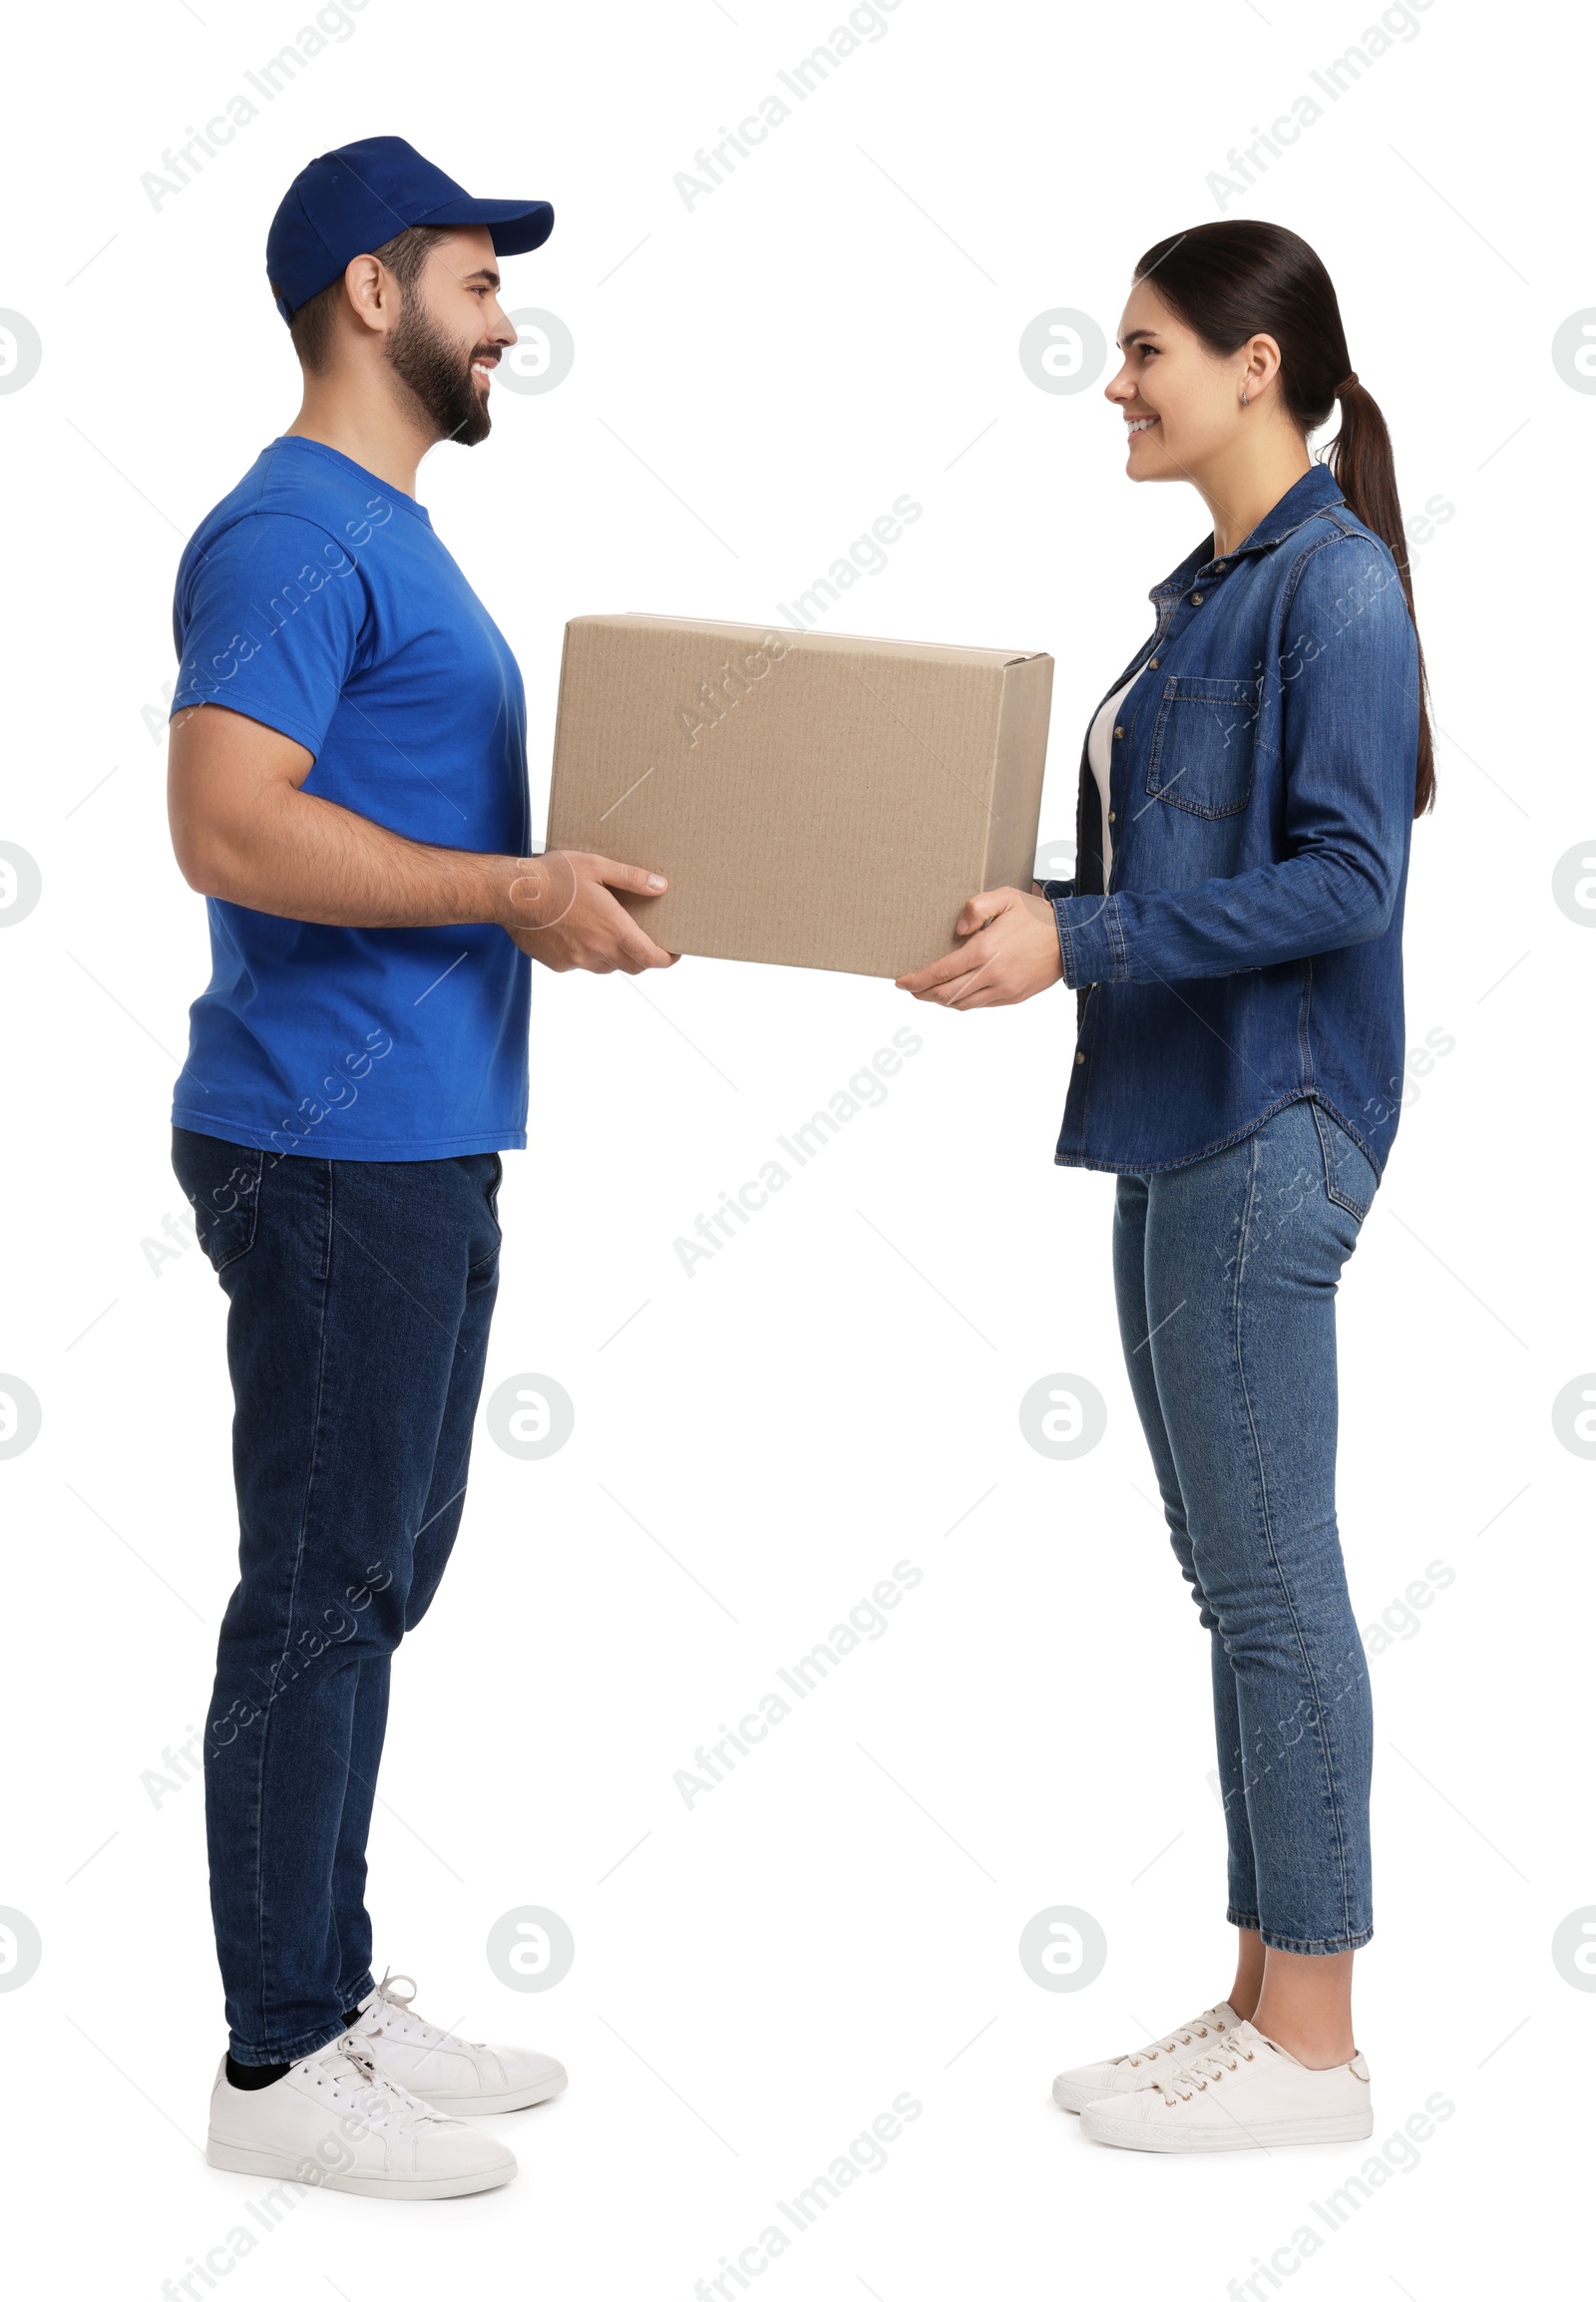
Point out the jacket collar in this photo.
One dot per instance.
(1314, 492)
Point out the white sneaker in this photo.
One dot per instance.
(334, 2121)
(449, 2073)
(1073, 2089)
(1246, 2093)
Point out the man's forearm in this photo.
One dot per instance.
(304, 858)
(245, 832)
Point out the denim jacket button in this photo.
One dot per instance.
(1196, 599)
(1152, 664)
(1079, 1057)
(1112, 817)
(1119, 735)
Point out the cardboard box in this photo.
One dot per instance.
(815, 800)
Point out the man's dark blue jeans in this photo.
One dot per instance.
(360, 1295)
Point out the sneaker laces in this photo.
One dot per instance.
(1186, 2036)
(1202, 2071)
(395, 2008)
(361, 2090)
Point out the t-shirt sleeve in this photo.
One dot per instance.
(268, 621)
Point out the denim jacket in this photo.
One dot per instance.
(1247, 950)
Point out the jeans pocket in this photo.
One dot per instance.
(1350, 1180)
(221, 1182)
(486, 1170)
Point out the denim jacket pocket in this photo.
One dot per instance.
(1350, 1177)
(1202, 749)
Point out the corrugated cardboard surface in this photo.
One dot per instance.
(815, 799)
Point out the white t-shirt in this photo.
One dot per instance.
(1100, 754)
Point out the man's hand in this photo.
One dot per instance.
(564, 914)
(1012, 953)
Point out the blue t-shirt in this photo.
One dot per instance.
(316, 599)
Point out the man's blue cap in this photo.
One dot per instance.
(353, 200)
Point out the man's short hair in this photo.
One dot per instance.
(311, 325)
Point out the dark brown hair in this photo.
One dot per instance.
(1230, 281)
(311, 325)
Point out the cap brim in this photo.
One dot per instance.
(517, 225)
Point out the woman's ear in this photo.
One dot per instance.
(1261, 365)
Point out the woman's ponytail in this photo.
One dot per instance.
(1232, 281)
(1364, 468)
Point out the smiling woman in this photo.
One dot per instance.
(1234, 938)
(1178, 421)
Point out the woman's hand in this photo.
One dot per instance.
(1012, 953)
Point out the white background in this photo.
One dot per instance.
(838, 1921)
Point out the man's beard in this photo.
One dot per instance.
(438, 376)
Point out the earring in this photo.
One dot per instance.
(1244, 395)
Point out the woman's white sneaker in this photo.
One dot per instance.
(335, 2122)
(1245, 2094)
(1073, 2089)
(468, 2080)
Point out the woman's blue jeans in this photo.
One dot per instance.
(1225, 1272)
(360, 1295)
